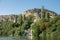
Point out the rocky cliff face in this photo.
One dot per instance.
(35, 12)
(7, 17)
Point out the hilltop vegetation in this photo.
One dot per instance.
(41, 23)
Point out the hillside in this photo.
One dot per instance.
(33, 24)
(38, 11)
(34, 12)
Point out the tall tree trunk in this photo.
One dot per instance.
(44, 35)
(48, 34)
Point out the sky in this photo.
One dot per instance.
(19, 6)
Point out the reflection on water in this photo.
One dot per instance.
(6, 38)
(13, 38)
(9, 38)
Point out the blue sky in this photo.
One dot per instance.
(19, 6)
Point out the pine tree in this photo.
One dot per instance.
(42, 13)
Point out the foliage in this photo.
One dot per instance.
(43, 29)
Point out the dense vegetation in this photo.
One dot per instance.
(47, 29)
(43, 29)
(8, 28)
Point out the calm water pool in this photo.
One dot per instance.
(12, 38)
